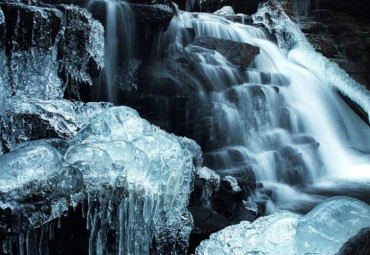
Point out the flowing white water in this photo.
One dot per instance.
(120, 35)
(283, 120)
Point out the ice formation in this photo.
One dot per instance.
(321, 231)
(135, 178)
(292, 40)
(25, 119)
(31, 44)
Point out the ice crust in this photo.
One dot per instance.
(23, 119)
(31, 42)
(135, 178)
(295, 44)
(322, 231)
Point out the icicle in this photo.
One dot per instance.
(43, 245)
(88, 215)
(83, 209)
(51, 231)
(31, 242)
(60, 222)
(5, 245)
(21, 244)
(121, 227)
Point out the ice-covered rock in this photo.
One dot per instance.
(322, 231)
(135, 178)
(268, 235)
(28, 164)
(358, 244)
(225, 11)
(47, 52)
(82, 50)
(211, 181)
(31, 36)
(25, 119)
(330, 224)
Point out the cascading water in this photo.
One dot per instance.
(271, 113)
(276, 118)
(120, 35)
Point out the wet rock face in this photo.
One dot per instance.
(358, 245)
(217, 202)
(152, 14)
(237, 53)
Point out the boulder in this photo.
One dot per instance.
(358, 244)
(225, 11)
(237, 53)
(158, 13)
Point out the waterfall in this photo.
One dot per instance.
(120, 35)
(276, 118)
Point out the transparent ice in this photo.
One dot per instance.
(135, 178)
(322, 231)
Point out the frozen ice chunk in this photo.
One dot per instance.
(135, 178)
(28, 164)
(268, 235)
(27, 119)
(330, 224)
(91, 161)
(117, 123)
(321, 231)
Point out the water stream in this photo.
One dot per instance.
(276, 118)
(120, 36)
(279, 118)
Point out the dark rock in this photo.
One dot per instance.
(206, 222)
(228, 195)
(152, 13)
(127, 76)
(246, 211)
(356, 7)
(237, 53)
(358, 244)
(218, 202)
(206, 185)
